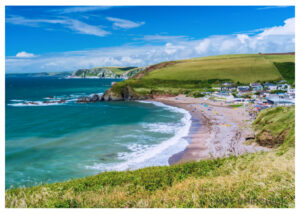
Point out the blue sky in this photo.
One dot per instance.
(67, 38)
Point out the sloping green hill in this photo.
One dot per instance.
(177, 77)
(251, 180)
(242, 68)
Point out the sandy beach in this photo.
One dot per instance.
(217, 129)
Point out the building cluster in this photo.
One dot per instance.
(260, 96)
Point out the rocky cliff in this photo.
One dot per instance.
(121, 94)
(107, 72)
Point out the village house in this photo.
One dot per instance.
(270, 86)
(275, 99)
(243, 89)
(228, 88)
(257, 87)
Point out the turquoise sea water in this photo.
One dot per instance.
(56, 142)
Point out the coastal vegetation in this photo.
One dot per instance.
(107, 72)
(265, 179)
(177, 77)
(287, 71)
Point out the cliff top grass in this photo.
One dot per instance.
(264, 179)
(238, 68)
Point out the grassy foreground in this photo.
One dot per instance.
(252, 180)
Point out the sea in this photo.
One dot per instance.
(49, 142)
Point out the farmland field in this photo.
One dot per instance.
(242, 68)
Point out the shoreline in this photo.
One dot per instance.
(217, 130)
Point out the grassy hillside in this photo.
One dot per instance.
(252, 180)
(280, 58)
(242, 68)
(287, 71)
(194, 75)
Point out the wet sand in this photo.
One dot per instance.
(217, 129)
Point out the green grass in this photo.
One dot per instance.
(287, 71)
(240, 68)
(280, 58)
(277, 122)
(236, 105)
(264, 179)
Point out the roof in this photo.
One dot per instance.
(270, 84)
(274, 98)
(255, 84)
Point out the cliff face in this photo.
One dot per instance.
(107, 72)
(121, 94)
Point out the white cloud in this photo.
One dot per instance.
(24, 54)
(202, 46)
(243, 38)
(123, 23)
(84, 28)
(81, 9)
(274, 39)
(74, 25)
(19, 20)
(271, 7)
(162, 38)
(287, 29)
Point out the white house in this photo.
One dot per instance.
(270, 86)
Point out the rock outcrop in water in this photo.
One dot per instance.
(89, 99)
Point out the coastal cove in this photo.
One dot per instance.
(50, 142)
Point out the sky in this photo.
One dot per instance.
(67, 38)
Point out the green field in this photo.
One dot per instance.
(280, 58)
(238, 68)
(198, 74)
(264, 179)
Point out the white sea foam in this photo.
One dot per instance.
(35, 103)
(156, 155)
(17, 100)
(167, 128)
(68, 99)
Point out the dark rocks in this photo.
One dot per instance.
(90, 99)
(31, 103)
(96, 98)
(250, 136)
(47, 101)
(265, 138)
(61, 101)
